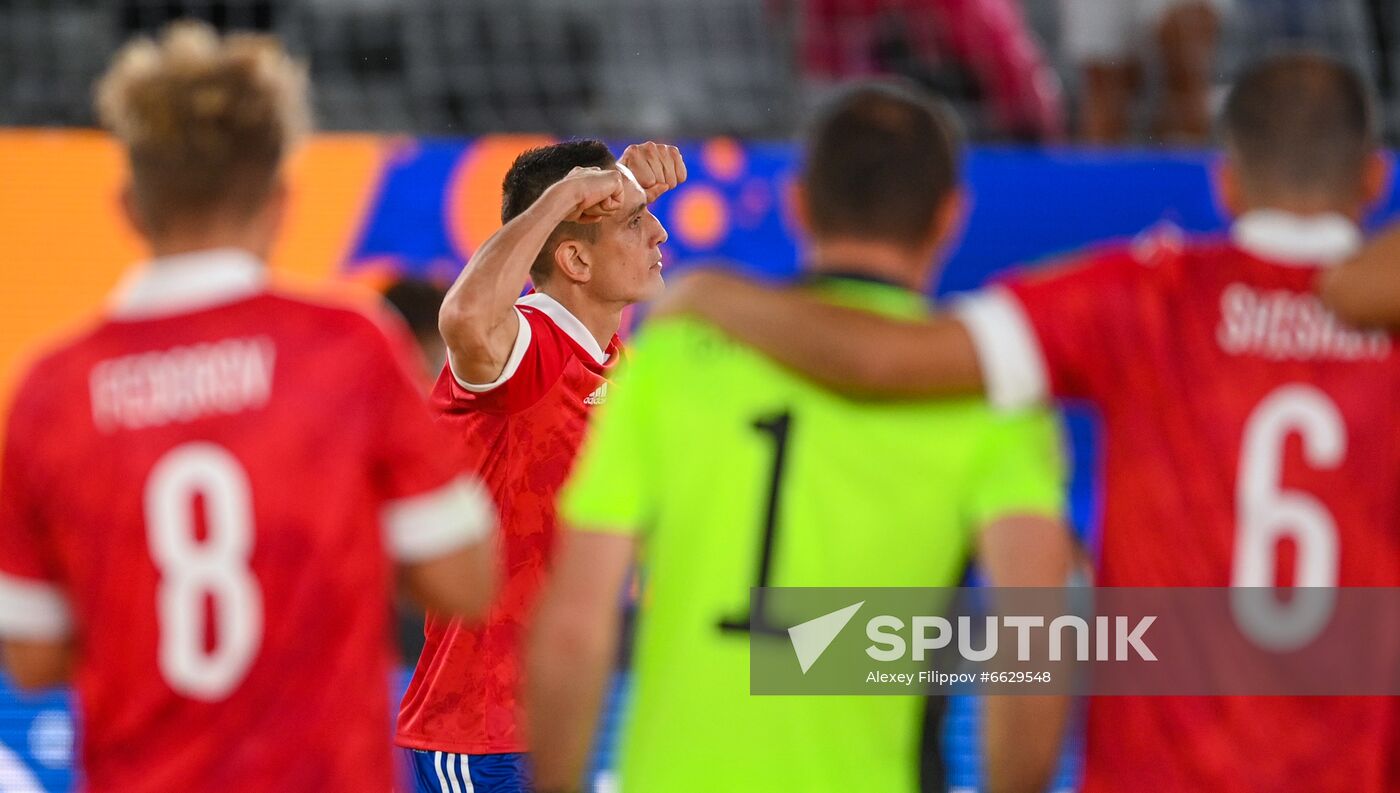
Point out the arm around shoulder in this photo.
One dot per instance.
(1366, 290)
(854, 352)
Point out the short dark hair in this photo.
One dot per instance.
(880, 160)
(533, 172)
(1300, 122)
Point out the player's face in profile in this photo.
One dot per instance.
(628, 251)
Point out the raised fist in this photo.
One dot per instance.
(658, 167)
(595, 193)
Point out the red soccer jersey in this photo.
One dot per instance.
(204, 491)
(1225, 388)
(522, 433)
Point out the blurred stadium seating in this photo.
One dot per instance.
(437, 66)
(613, 67)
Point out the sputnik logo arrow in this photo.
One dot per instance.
(811, 638)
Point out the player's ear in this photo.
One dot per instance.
(272, 215)
(131, 210)
(1375, 180)
(948, 219)
(277, 200)
(572, 260)
(1229, 192)
(796, 198)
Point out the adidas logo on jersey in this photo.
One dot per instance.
(598, 397)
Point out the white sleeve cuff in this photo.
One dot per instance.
(33, 610)
(440, 521)
(1008, 351)
(517, 354)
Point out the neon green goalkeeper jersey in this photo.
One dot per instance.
(708, 453)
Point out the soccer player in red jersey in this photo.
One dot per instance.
(523, 375)
(1240, 417)
(206, 491)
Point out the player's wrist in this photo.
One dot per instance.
(562, 200)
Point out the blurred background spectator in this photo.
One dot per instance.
(976, 51)
(418, 301)
(1112, 41)
(1356, 31)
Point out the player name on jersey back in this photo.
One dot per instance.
(182, 384)
(1281, 325)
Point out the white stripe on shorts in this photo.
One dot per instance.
(452, 772)
(437, 766)
(467, 776)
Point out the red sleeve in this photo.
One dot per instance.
(32, 601)
(1077, 311)
(431, 507)
(1065, 331)
(535, 364)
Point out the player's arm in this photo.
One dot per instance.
(36, 636)
(36, 619)
(1022, 735)
(438, 521)
(1015, 495)
(1026, 550)
(572, 647)
(1366, 290)
(38, 663)
(443, 539)
(851, 351)
(478, 320)
(460, 583)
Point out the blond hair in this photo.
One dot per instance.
(206, 120)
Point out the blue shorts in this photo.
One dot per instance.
(444, 772)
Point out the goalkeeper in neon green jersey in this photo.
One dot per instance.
(720, 471)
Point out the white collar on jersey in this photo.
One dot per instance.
(187, 282)
(1286, 238)
(566, 321)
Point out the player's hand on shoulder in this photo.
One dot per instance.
(657, 167)
(594, 193)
